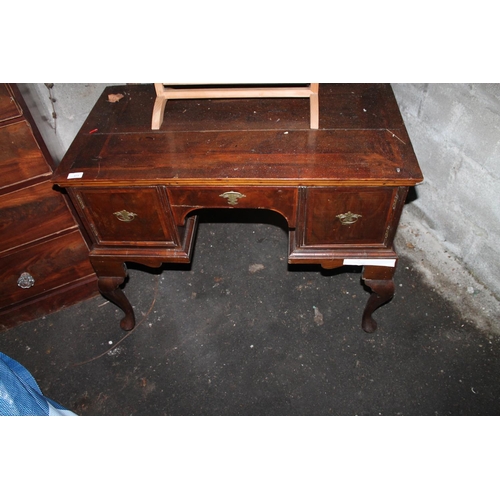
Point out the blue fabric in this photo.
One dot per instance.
(20, 394)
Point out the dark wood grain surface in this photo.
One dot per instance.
(361, 140)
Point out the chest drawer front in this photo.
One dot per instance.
(38, 269)
(126, 216)
(8, 106)
(20, 156)
(32, 213)
(280, 199)
(347, 216)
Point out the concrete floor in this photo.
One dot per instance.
(239, 332)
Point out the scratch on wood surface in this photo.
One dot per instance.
(394, 135)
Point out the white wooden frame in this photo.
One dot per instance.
(163, 93)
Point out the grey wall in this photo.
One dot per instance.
(455, 130)
(73, 104)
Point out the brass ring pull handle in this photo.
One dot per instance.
(125, 216)
(25, 280)
(348, 218)
(232, 197)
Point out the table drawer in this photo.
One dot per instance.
(280, 199)
(126, 216)
(43, 267)
(346, 216)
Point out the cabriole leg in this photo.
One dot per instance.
(111, 274)
(110, 289)
(380, 280)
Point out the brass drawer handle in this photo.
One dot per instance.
(232, 197)
(125, 216)
(25, 280)
(348, 218)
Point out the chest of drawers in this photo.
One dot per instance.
(341, 188)
(44, 262)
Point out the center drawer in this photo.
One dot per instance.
(280, 199)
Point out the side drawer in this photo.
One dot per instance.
(343, 216)
(50, 265)
(280, 199)
(126, 216)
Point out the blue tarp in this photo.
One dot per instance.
(20, 394)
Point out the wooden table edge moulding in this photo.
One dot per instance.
(341, 186)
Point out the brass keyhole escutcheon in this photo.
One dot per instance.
(348, 218)
(232, 197)
(125, 216)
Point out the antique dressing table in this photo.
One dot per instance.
(341, 188)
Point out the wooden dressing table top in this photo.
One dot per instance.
(361, 140)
